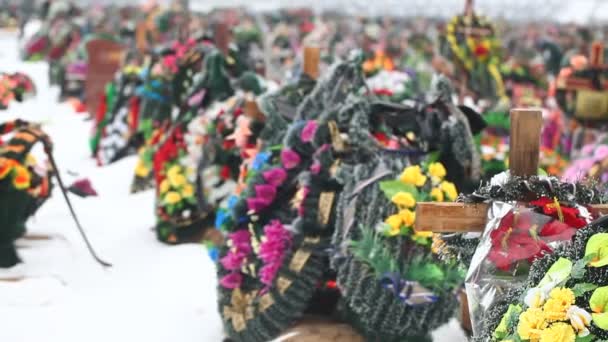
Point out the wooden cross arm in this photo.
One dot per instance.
(440, 217)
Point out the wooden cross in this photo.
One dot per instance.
(524, 151)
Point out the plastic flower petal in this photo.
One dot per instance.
(535, 298)
(437, 195)
(449, 189)
(408, 217)
(308, 133)
(598, 246)
(6, 166)
(395, 222)
(404, 200)
(557, 273)
(413, 175)
(188, 191)
(579, 319)
(164, 186)
(531, 323)
(172, 197)
(437, 170)
(275, 176)
(558, 332)
(560, 300)
(232, 281)
(290, 159)
(22, 177)
(599, 305)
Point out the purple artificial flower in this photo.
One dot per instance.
(233, 261)
(232, 280)
(273, 249)
(265, 192)
(256, 204)
(308, 133)
(290, 159)
(241, 240)
(275, 176)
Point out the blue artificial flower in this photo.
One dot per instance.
(232, 201)
(213, 252)
(220, 218)
(260, 159)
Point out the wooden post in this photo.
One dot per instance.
(526, 126)
(312, 56)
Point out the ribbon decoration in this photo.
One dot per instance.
(410, 292)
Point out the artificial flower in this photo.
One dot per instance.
(598, 247)
(241, 241)
(290, 159)
(413, 175)
(141, 170)
(437, 195)
(423, 235)
(502, 328)
(437, 170)
(579, 319)
(535, 298)
(531, 324)
(449, 189)
(404, 200)
(164, 186)
(308, 133)
(259, 160)
(232, 280)
(407, 217)
(233, 260)
(560, 300)
(558, 332)
(273, 250)
(599, 305)
(275, 176)
(188, 191)
(6, 166)
(174, 171)
(172, 197)
(395, 222)
(22, 177)
(176, 180)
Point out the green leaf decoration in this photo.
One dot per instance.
(579, 270)
(582, 288)
(588, 338)
(559, 272)
(392, 187)
(509, 320)
(433, 157)
(542, 172)
(598, 246)
(599, 305)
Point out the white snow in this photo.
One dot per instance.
(153, 293)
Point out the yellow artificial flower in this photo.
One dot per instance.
(558, 332)
(394, 221)
(141, 170)
(188, 191)
(176, 180)
(172, 197)
(420, 234)
(531, 323)
(164, 186)
(437, 195)
(404, 200)
(449, 189)
(413, 175)
(174, 171)
(408, 217)
(437, 170)
(22, 177)
(560, 300)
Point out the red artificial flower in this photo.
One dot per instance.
(225, 172)
(481, 50)
(556, 230)
(570, 215)
(381, 138)
(515, 240)
(228, 144)
(383, 92)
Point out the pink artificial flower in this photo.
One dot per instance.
(233, 261)
(275, 176)
(232, 281)
(308, 133)
(315, 168)
(290, 159)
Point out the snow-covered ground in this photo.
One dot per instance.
(154, 293)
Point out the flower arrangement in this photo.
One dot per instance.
(564, 298)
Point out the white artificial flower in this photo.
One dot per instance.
(500, 179)
(535, 298)
(580, 320)
(186, 213)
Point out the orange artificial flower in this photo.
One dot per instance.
(22, 177)
(6, 166)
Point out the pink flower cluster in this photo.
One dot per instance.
(236, 257)
(266, 193)
(273, 250)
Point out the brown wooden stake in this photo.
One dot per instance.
(450, 217)
(312, 56)
(526, 126)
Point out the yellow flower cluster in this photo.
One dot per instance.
(413, 175)
(21, 175)
(556, 320)
(175, 186)
(405, 218)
